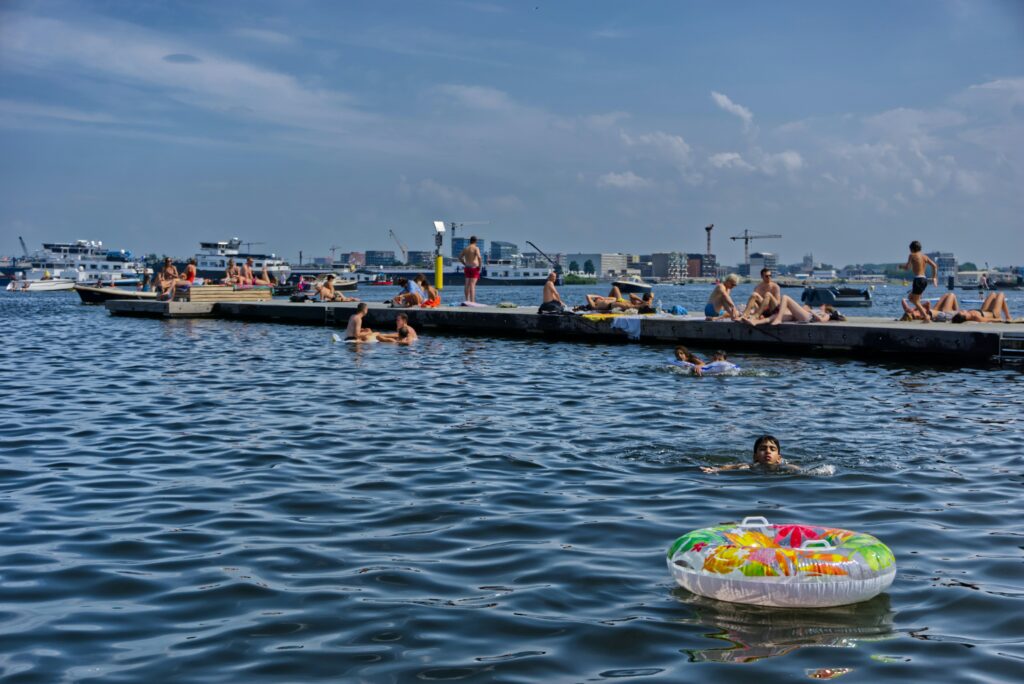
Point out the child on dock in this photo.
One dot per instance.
(918, 264)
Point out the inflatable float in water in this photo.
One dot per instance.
(713, 368)
(792, 566)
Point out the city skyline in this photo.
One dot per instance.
(849, 130)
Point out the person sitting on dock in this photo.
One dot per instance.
(168, 277)
(791, 311)
(765, 299)
(551, 301)
(767, 455)
(918, 264)
(354, 331)
(411, 294)
(327, 293)
(186, 281)
(993, 310)
(431, 297)
(248, 277)
(720, 305)
(404, 332)
(232, 274)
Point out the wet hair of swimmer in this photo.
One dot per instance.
(765, 439)
(719, 355)
(683, 354)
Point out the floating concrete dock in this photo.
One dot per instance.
(974, 343)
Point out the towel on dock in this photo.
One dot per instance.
(628, 324)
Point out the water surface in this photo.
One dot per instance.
(217, 501)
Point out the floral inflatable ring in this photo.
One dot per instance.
(792, 566)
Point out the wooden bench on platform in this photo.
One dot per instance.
(225, 293)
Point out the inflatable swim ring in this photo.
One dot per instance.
(713, 368)
(793, 566)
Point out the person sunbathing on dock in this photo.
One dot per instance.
(791, 311)
(720, 305)
(613, 301)
(767, 455)
(643, 305)
(265, 278)
(327, 293)
(764, 302)
(551, 301)
(404, 333)
(411, 294)
(167, 277)
(354, 331)
(942, 312)
(186, 280)
(993, 310)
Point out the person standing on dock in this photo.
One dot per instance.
(471, 262)
(551, 301)
(918, 263)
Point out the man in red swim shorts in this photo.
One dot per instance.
(471, 261)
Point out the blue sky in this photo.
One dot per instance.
(849, 128)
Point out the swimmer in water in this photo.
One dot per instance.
(767, 454)
(685, 356)
(719, 355)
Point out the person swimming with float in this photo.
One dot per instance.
(686, 359)
(767, 454)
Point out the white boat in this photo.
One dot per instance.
(632, 284)
(42, 280)
(212, 260)
(81, 261)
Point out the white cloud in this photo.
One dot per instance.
(432, 191)
(624, 181)
(264, 36)
(728, 105)
(729, 160)
(478, 97)
(125, 55)
(788, 161)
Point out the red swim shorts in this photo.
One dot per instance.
(473, 272)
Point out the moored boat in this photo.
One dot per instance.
(99, 295)
(632, 285)
(836, 296)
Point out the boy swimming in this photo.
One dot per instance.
(767, 454)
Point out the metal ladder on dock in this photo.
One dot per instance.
(1011, 347)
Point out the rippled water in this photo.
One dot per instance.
(220, 502)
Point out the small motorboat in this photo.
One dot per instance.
(99, 295)
(632, 284)
(836, 296)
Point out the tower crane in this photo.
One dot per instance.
(405, 252)
(747, 237)
(460, 224)
(23, 247)
(333, 248)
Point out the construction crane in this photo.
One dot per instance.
(708, 229)
(747, 237)
(405, 252)
(248, 245)
(460, 224)
(23, 247)
(333, 248)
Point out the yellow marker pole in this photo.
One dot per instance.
(439, 273)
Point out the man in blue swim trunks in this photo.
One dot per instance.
(720, 304)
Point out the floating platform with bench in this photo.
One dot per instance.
(879, 338)
(224, 293)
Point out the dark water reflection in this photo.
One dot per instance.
(211, 501)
